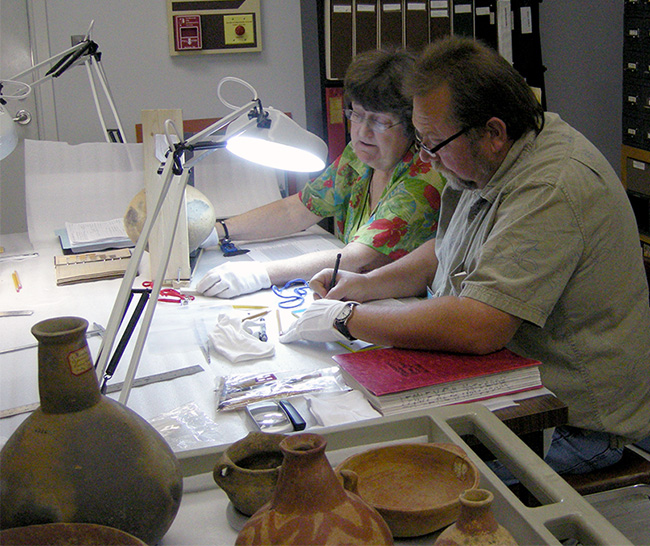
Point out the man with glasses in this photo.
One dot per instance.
(383, 198)
(537, 250)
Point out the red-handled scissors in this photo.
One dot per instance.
(170, 295)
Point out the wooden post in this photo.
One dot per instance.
(178, 270)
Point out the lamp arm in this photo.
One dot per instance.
(210, 147)
(175, 196)
(119, 308)
(123, 295)
(96, 98)
(101, 75)
(68, 58)
(88, 48)
(195, 142)
(173, 186)
(220, 124)
(73, 49)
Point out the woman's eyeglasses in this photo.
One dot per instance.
(374, 124)
(435, 149)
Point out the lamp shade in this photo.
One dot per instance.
(284, 145)
(8, 135)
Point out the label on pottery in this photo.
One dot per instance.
(80, 361)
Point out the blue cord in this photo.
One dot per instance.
(296, 298)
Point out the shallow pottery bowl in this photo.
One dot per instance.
(67, 534)
(415, 487)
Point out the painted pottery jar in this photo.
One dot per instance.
(310, 506)
(81, 456)
(476, 524)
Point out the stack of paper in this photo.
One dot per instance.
(94, 236)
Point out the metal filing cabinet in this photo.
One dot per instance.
(635, 155)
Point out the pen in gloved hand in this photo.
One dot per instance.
(336, 270)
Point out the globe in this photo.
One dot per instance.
(200, 216)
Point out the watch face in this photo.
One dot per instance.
(340, 322)
(345, 312)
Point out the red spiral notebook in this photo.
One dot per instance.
(397, 380)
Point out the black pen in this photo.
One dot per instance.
(336, 270)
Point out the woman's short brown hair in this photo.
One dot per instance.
(375, 79)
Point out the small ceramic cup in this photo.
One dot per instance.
(248, 470)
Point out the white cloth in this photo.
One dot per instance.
(233, 279)
(316, 323)
(338, 409)
(231, 339)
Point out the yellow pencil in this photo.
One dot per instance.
(256, 315)
(16, 280)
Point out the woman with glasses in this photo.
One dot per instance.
(383, 198)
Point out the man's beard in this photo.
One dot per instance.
(484, 168)
(458, 183)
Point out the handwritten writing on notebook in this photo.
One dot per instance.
(468, 390)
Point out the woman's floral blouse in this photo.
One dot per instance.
(405, 217)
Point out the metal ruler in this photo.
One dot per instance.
(140, 382)
(18, 313)
(98, 331)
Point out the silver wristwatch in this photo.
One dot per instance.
(341, 320)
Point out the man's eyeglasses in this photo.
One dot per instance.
(435, 149)
(374, 124)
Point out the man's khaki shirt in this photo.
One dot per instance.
(552, 240)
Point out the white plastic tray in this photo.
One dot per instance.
(563, 515)
(628, 509)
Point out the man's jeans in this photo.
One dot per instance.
(572, 451)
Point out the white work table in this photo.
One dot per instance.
(173, 344)
(177, 339)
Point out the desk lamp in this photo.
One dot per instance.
(8, 136)
(85, 52)
(261, 135)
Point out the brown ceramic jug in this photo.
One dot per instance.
(310, 505)
(81, 456)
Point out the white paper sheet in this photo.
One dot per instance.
(234, 185)
(91, 232)
(96, 182)
(81, 183)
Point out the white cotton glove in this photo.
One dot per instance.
(232, 339)
(316, 323)
(211, 240)
(234, 278)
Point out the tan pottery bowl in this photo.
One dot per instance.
(67, 534)
(415, 487)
